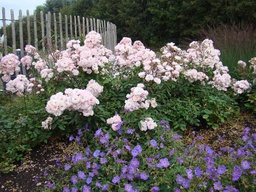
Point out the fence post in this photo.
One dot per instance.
(79, 26)
(4, 31)
(61, 32)
(55, 31)
(71, 28)
(87, 25)
(42, 28)
(83, 25)
(21, 40)
(13, 33)
(75, 25)
(28, 28)
(35, 32)
(48, 31)
(66, 29)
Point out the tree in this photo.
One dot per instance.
(83, 8)
(156, 22)
(54, 6)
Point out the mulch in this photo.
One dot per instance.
(32, 172)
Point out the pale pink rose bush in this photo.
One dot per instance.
(89, 58)
(195, 64)
(207, 58)
(65, 64)
(147, 124)
(27, 61)
(199, 63)
(173, 62)
(40, 65)
(31, 50)
(57, 104)
(137, 99)
(192, 75)
(93, 39)
(241, 86)
(221, 82)
(242, 64)
(8, 66)
(46, 74)
(252, 61)
(115, 122)
(81, 100)
(47, 124)
(204, 54)
(129, 56)
(244, 86)
(95, 88)
(20, 85)
(34, 55)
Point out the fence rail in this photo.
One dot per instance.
(51, 31)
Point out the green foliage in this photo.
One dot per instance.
(251, 102)
(158, 22)
(54, 6)
(20, 129)
(183, 112)
(218, 108)
(80, 7)
(183, 103)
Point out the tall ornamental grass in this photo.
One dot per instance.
(236, 42)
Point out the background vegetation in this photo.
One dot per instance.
(160, 21)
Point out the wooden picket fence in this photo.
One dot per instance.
(51, 31)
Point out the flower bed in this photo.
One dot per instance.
(136, 104)
(155, 161)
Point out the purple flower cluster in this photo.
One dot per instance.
(240, 163)
(128, 164)
(116, 180)
(136, 151)
(77, 157)
(101, 137)
(182, 181)
(163, 163)
(153, 143)
(129, 188)
(237, 173)
(164, 124)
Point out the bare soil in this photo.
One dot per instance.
(32, 172)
